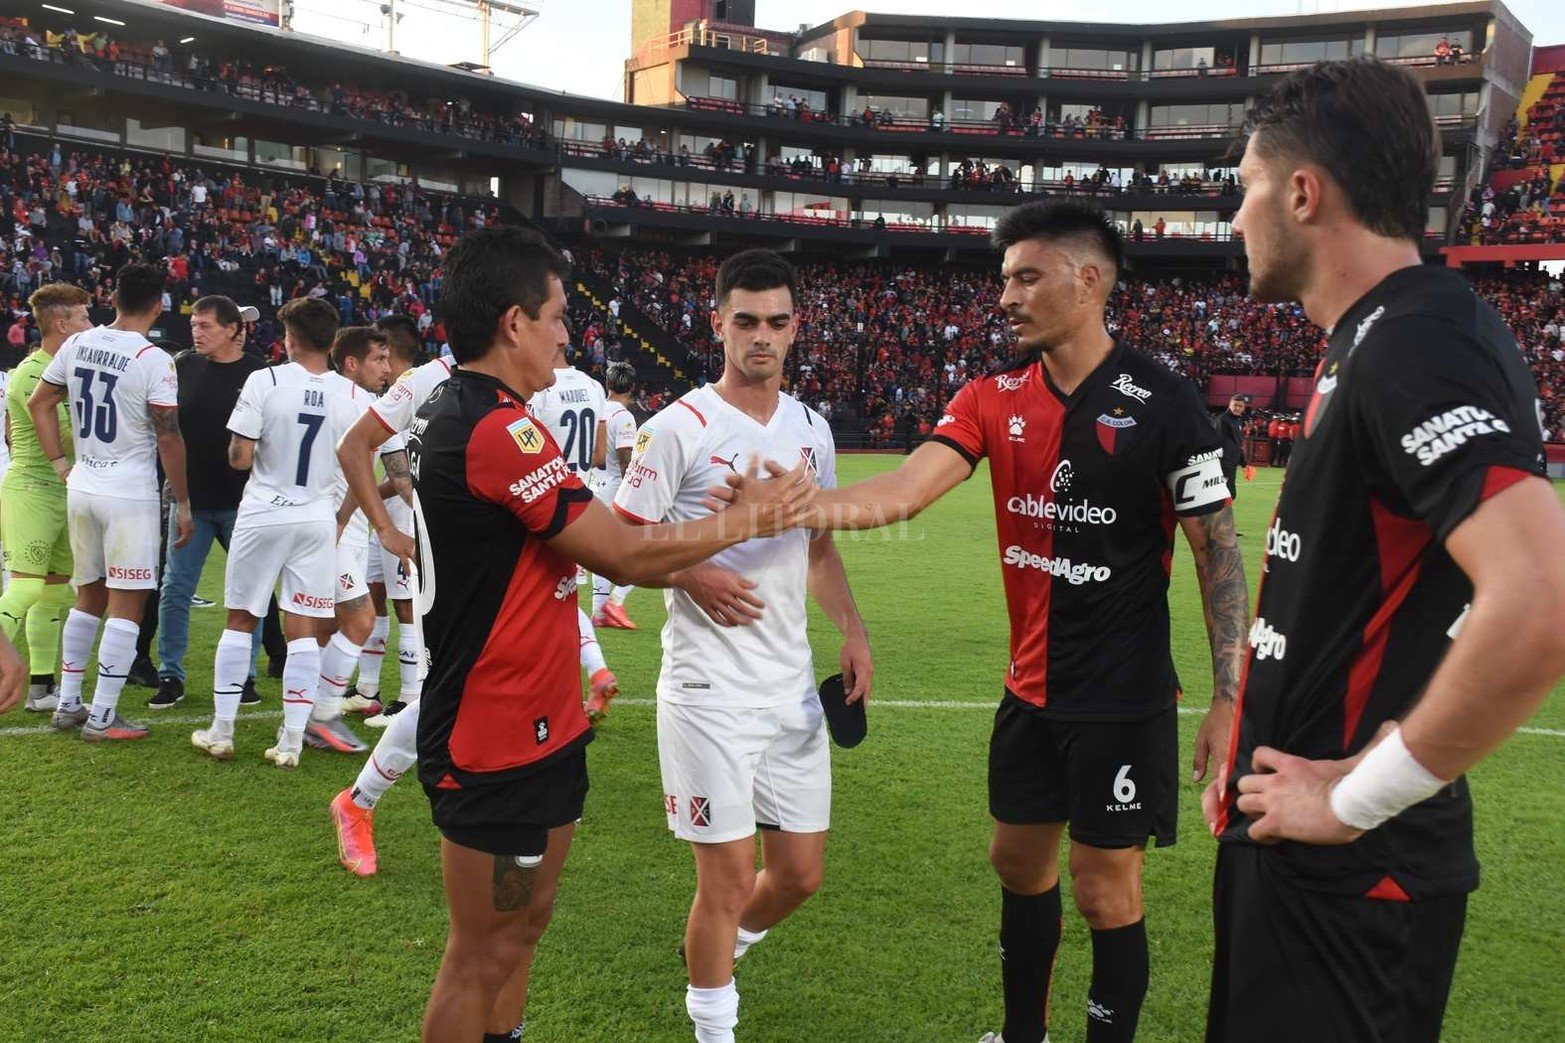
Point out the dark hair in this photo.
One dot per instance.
(619, 377)
(354, 342)
(401, 333)
(755, 270)
(222, 308)
(1061, 219)
(487, 273)
(311, 320)
(1368, 124)
(138, 288)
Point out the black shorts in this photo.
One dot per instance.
(1293, 964)
(513, 817)
(1115, 782)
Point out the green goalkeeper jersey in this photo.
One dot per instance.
(28, 464)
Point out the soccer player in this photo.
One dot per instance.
(283, 429)
(360, 355)
(123, 392)
(1410, 618)
(1096, 453)
(33, 520)
(502, 734)
(572, 410)
(608, 600)
(387, 579)
(210, 379)
(741, 736)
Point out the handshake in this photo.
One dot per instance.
(768, 499)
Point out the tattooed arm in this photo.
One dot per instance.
(399, 477)
(171, 451)
(1225, 601)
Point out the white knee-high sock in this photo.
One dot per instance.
(372, 656)
(75, 649)
(410, 657)
(116, 652)
(394, 754)
(230, 669)
(301, 674)
(620, 594)
(601, 589)
(715, 1012)
(337, 660)
(591, 652)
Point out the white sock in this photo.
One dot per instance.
(230, 670)
(394, 754)
(410, 656)
(75, 649)
(116, 653)
(591, 653)
(423, 650)
(715, 1012)
(620, 594)
(371, 656)
(601, 588)
(301, 673)
(337, 660)
(745, 940)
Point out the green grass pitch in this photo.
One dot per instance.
(149, 894)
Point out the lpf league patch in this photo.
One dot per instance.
(526, 435)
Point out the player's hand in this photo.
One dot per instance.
(1289, 798)
(394, 541)
(1212, 797)
(1211, 741)
(774, 503)
(857, 667)
(724, 595)
(185, 526)
(62, 466)
(13, 676)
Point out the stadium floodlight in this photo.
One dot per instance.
(188, 39)
(52, 7)
(107, 21)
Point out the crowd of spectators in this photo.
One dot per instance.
(1529, 208)
(369, 249)
(268, 84)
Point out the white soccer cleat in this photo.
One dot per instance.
(281, 757)
(42, 699)
(217, 748)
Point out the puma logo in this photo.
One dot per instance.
(729, 463)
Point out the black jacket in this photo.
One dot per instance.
(1231, 430)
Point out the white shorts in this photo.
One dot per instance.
(352, 568)
(114, 539)
(382, 563)
(300, 554)
(727, 770)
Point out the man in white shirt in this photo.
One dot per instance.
(124, 401)
(283, 429)
(741, 733)
(608, 600)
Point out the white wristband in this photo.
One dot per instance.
(1386, 783)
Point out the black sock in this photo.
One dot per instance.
(1119, 983)
(1029, 939)
(505, 1037)
(47, 680)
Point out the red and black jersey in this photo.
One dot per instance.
(503, 696)
(1087, 488)
(1422, 409)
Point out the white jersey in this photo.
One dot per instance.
(296, 418)
(622, 435)
(571, 409)
(395, 410)
(113, 378)
(689, 447)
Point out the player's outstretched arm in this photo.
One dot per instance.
(171, 452)
(931, 471)
(828, 584)
(648, 555)
(1226, 604)
(1507, 655)
(44, 407)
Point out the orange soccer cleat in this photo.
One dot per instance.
(613, 616)
(355, 834)
(605, 686)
